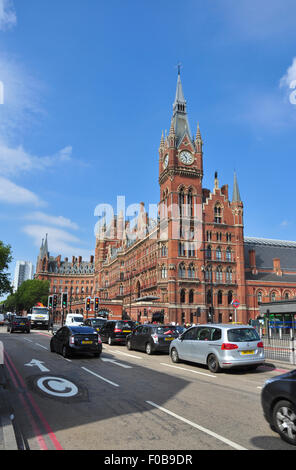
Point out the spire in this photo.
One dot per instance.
(235, 195)
(45, 246)
(180, 120)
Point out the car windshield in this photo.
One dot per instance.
(239, 335)
(98, 322)
(124, 324)
(165, 330)
(77, 319)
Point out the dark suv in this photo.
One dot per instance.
(116, 331)
(19, 324)
(151, 338)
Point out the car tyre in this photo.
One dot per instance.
(175, 356)
(129, 345)
(148, 349)
(284, 421)
(110, 341)
(97, 354)
(65, 352)
(213, 363)
(52, 349)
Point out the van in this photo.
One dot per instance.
(74, 319)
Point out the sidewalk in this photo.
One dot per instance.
(7, 431)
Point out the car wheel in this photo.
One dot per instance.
(129, 345)
(213, 363)
(97, 354)
(284, 420)
(65, 352)
(11, 330)
(52, 349)
(148, 349)
(110, 342)
(175, 355)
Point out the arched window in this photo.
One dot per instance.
(220, 297)
(182, 270)
(272, 296)
(218, 253)
(191, 272)
(190, 202)
(229, 297)
(219, 274)
(121, 289)
(228, 254)
(228, 275)
(138, 289)
(191, 294)
(163, 272)
(287, 296)
(209, 252)
(208, 273)
(182, 296)
(217, 214)
(259, 296)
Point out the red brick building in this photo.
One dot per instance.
(190, 263)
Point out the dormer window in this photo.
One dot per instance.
(218, 214)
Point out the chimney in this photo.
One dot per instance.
(91, 259)
(252, 261)
(224, 190)
(79, 259)
(277, 266)
(73, 259)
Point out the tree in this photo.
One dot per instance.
(30, 292)
(5, 259)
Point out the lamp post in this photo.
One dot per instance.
(130, 289)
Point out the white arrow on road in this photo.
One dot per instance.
(37, 363)
(117, 363)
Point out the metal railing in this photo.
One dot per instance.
(279, 342)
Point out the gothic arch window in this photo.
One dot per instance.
(209, 252)
(182, 270)
(208, 273)
(218, 253)
(218, 214)
(190, 202)
(272, 296)
(209, 297)
(164, 272)
(219, 274)
(228, 274)
(182, 296)
(121, 289)
(191, 271)
(191, 296)
(259, 296)
(220, 297)
(287, 296)
(228, 254)
(229, 297)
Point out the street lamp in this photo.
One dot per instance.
(130, 281)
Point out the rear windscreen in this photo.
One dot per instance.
(124, 324)
(165, 330)
(239, 335)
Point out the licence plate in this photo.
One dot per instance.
(248, 352)
(86, 342)
(168, 339)
(126, 331)
(22, 324)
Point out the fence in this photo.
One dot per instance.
(279, 341)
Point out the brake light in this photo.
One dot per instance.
(260, 345)
(117, 330)
(228, 346)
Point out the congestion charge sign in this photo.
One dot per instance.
(236, 303)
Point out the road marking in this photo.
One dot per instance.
(37, 344)
(57, 386)
(29, 340)
(37, 363)
(105, 359)
(100, 377)
(188, 370)
(125, 354)
(200, 428)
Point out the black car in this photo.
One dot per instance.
(69, 340)
(278, 398)
(19, 324)
(116, 331)
(152, 338)
(95, 323)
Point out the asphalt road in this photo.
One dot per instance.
(126, 400)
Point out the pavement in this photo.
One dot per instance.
(10, 436)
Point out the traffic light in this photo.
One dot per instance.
(87, 303)
(97, 301)
(64, 300)
(50, 301)
(55, 301)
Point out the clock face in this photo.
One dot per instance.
(165, 161)
(186, 157)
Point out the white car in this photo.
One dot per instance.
(74, 319)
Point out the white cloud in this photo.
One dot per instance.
(59, 241)
(7, 14)
(59, 221)
(290, 75)
(14, 160)
(13, 194)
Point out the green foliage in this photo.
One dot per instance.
(28, 294)
(5, 259)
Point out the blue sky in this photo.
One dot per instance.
(88, 87)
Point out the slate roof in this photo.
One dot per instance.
(268, 249)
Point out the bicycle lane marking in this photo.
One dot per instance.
(23, 389)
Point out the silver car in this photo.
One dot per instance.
(220, 346)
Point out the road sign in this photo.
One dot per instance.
(235, 303)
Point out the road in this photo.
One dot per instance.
(127, 400)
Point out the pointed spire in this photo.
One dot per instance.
(181, 124)
(235, 195)
(161, 140)
(198, 134)
(45, 247)
(172, 128)
(216, 180)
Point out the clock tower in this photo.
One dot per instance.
(180, 210)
